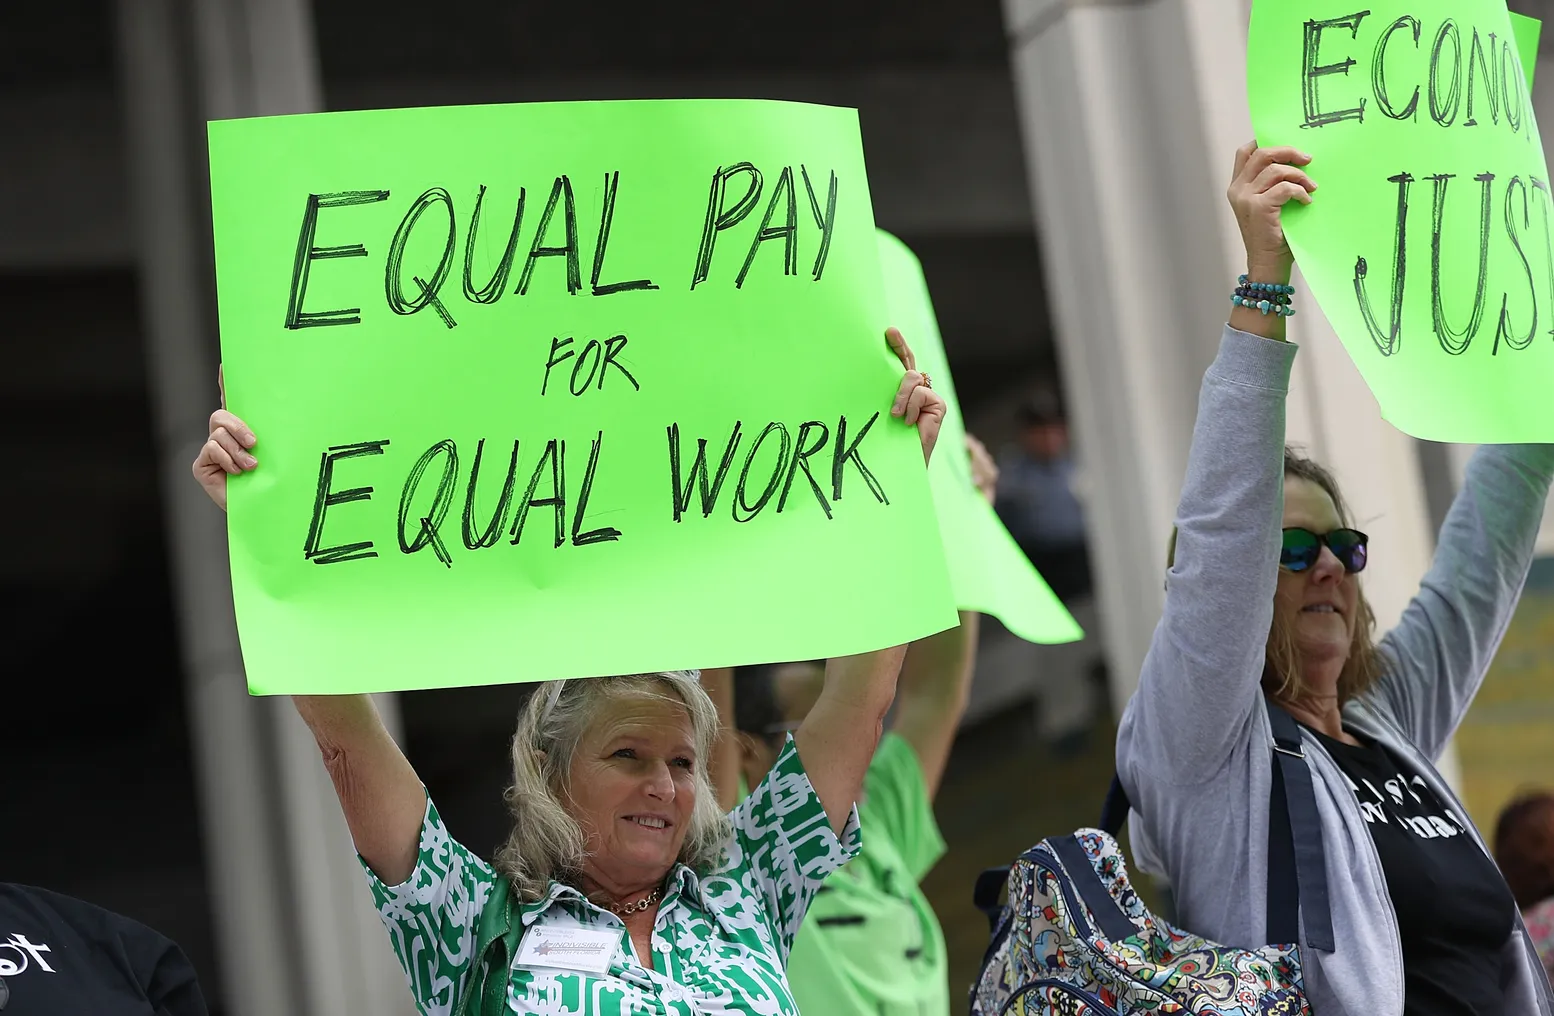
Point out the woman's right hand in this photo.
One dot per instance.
(984, 470)
(225, 452)
(1263, 181)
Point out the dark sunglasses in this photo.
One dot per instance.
(1302, 547)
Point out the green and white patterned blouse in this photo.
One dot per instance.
(720, 944)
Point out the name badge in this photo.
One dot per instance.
(586, 949)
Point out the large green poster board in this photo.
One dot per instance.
(1428, 242)
(1527, 30)
(988, 571)
(562, 389)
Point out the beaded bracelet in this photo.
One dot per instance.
(1264, 296)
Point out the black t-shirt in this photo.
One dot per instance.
(62, 957)
(1453, 907)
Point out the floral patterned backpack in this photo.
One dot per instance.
(1076, 940)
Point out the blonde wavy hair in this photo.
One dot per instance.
(546, 842)
(1282, 660)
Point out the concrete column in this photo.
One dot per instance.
(295, 930)
(1131, 114)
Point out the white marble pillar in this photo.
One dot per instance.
(295, 929)
(1131, 114)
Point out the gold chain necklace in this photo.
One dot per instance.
(637, 907)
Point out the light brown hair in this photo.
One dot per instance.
(1282, 663)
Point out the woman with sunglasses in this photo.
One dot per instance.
(1263, 599)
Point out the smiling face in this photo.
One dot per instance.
(632, 789)
(1317, 606)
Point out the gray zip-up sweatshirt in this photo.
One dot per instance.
(1193, 750)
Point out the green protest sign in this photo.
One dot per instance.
(1527, 30)
(559, 390)
(988, 571)
(1428, 243)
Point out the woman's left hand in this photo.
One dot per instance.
(916, 403)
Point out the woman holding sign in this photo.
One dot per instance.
(872, 942)
(1402, 911)
(623, 888)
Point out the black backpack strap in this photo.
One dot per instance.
(1283, 889)
(1114, 810)
(985, 895)
(1109, 916)
(1297, 858)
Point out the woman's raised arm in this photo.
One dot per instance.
(1443, 644)
(1199, 686)
(379, 792)
(837, 739)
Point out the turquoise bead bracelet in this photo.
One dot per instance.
(1267, 297)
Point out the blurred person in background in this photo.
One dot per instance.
(871, 944)
(1524, 848)
(60, 956)
(1038, 500)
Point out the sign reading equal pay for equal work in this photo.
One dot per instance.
(562, 389)
(1428, 241)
